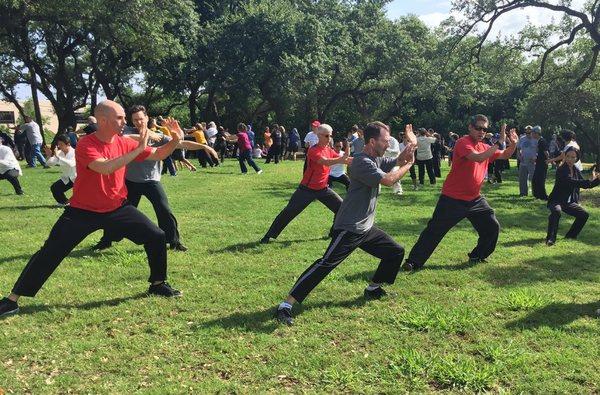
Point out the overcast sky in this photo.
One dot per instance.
(432, 12)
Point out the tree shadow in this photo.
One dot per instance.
(555, 315)
(81, 253)
(31, 207)
(250, 245)
(84, 306)
(581, 266)
(263, 321)
(524, 242)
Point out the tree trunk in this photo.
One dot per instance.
(36, 102)
(192, 106)
(66, 118)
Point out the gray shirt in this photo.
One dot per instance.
(357, 213)
(32, 130)
(358, 145)
(147, 170)
(527, 147)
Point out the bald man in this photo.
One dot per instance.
(99, 202)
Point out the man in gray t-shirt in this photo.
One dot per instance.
(527, 154)
(34, 137)
(353, 227)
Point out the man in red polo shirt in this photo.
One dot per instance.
(314, 184)
(461, 196)
(100, 202)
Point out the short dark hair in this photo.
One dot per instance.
(478, 118)
(373, 130)
(567, 135)
(242, 127)
(64, 138)
(137, 108)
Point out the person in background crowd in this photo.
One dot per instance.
(337, 172)
(221, 143)
(10, 169)
(211, 134)
(436, 151)
(565, 196)
(251, 136)
(568, 137)
(404, 142)
(424, 156)
(34, 136)
(311, 138)
(204, 158)
(527, 153)
(294, 143)
(450, 146)
(72, 137)
(359, 142)
(285, 140)
(351, 136)
(245, 150)
(257, 152)
(267, 140)
(6, 140)
(20, 143)
(392, 151)
(91, 126)
(276, 144)
(63, 156)
(538, 182)
(169, 162)
(500, 164)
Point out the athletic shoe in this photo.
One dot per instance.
(550, 243)
(409, 267)
(164, 289)
(475, 260)
(178, 247)
(102, 245)
(259, 172)
(284, 316)
(377, 293)
(20, 192)
(8, 307)
(265, 240)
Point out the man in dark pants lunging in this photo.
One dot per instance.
(461, 196)
(353, 227)
(143, 179)
(99, 202)
(314, 184)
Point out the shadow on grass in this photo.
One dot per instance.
(524, 242)
(54, 206)
(263, 321)
(242, 247)
(84, 252)
(581, 266)
(555, 315)
(84, 306)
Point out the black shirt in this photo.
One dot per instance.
(567, 186)
(90, 128)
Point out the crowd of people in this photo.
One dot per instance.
(112, 165)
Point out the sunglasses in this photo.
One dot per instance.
(327, 135)
(480, 128)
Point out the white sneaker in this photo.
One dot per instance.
(259, 172)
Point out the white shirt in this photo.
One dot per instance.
(337, 170)
(311, 139)
(393, 150)
(8, 160)
(424, 147)
(574, 144)
(66, 163)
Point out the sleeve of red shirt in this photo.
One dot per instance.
(132, 144)
(86, 153)
(496, 155)
(463, 148)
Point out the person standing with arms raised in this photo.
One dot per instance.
(99, 201)
(461, 196)
(354, 223)
(314, 184)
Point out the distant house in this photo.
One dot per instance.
(9, 115)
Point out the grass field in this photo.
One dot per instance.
(524, 322)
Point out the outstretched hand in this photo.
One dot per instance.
(407, 156)
(512, 136)
(143, 142)
(411, 138)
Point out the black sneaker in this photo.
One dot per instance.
(265, 240)
(377, 293)
(284, 316)
(474, 260)
(409, 267)
(164, 289)
(20, 192)
(8, 307)
(178, 247)
(102, 245)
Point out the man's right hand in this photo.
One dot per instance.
(143, 143)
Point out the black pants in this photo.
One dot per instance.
(246, 156)
(300, 199)
(221, 151)
(499, 166)
(205, 159)
(573, 209)
(74, 225)
(12, 177)
(538, 182)
(413, 173)
(437, 165)
(169, 165)
(343, 179)
(422, 164)
(449, 212)
(154, 192)
(274, 153)
(375, 242)
(58, 190)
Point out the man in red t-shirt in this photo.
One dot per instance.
(461, 196)
(314, 184)
(100, 202)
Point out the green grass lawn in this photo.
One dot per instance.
(524, 322)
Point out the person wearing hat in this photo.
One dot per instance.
(314, 184)
(461, 196)
(311, 138)
(538, 182)
(527, 154)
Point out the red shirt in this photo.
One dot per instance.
(97, 192)
(316, 176)
(243, 142)
(466, 176)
